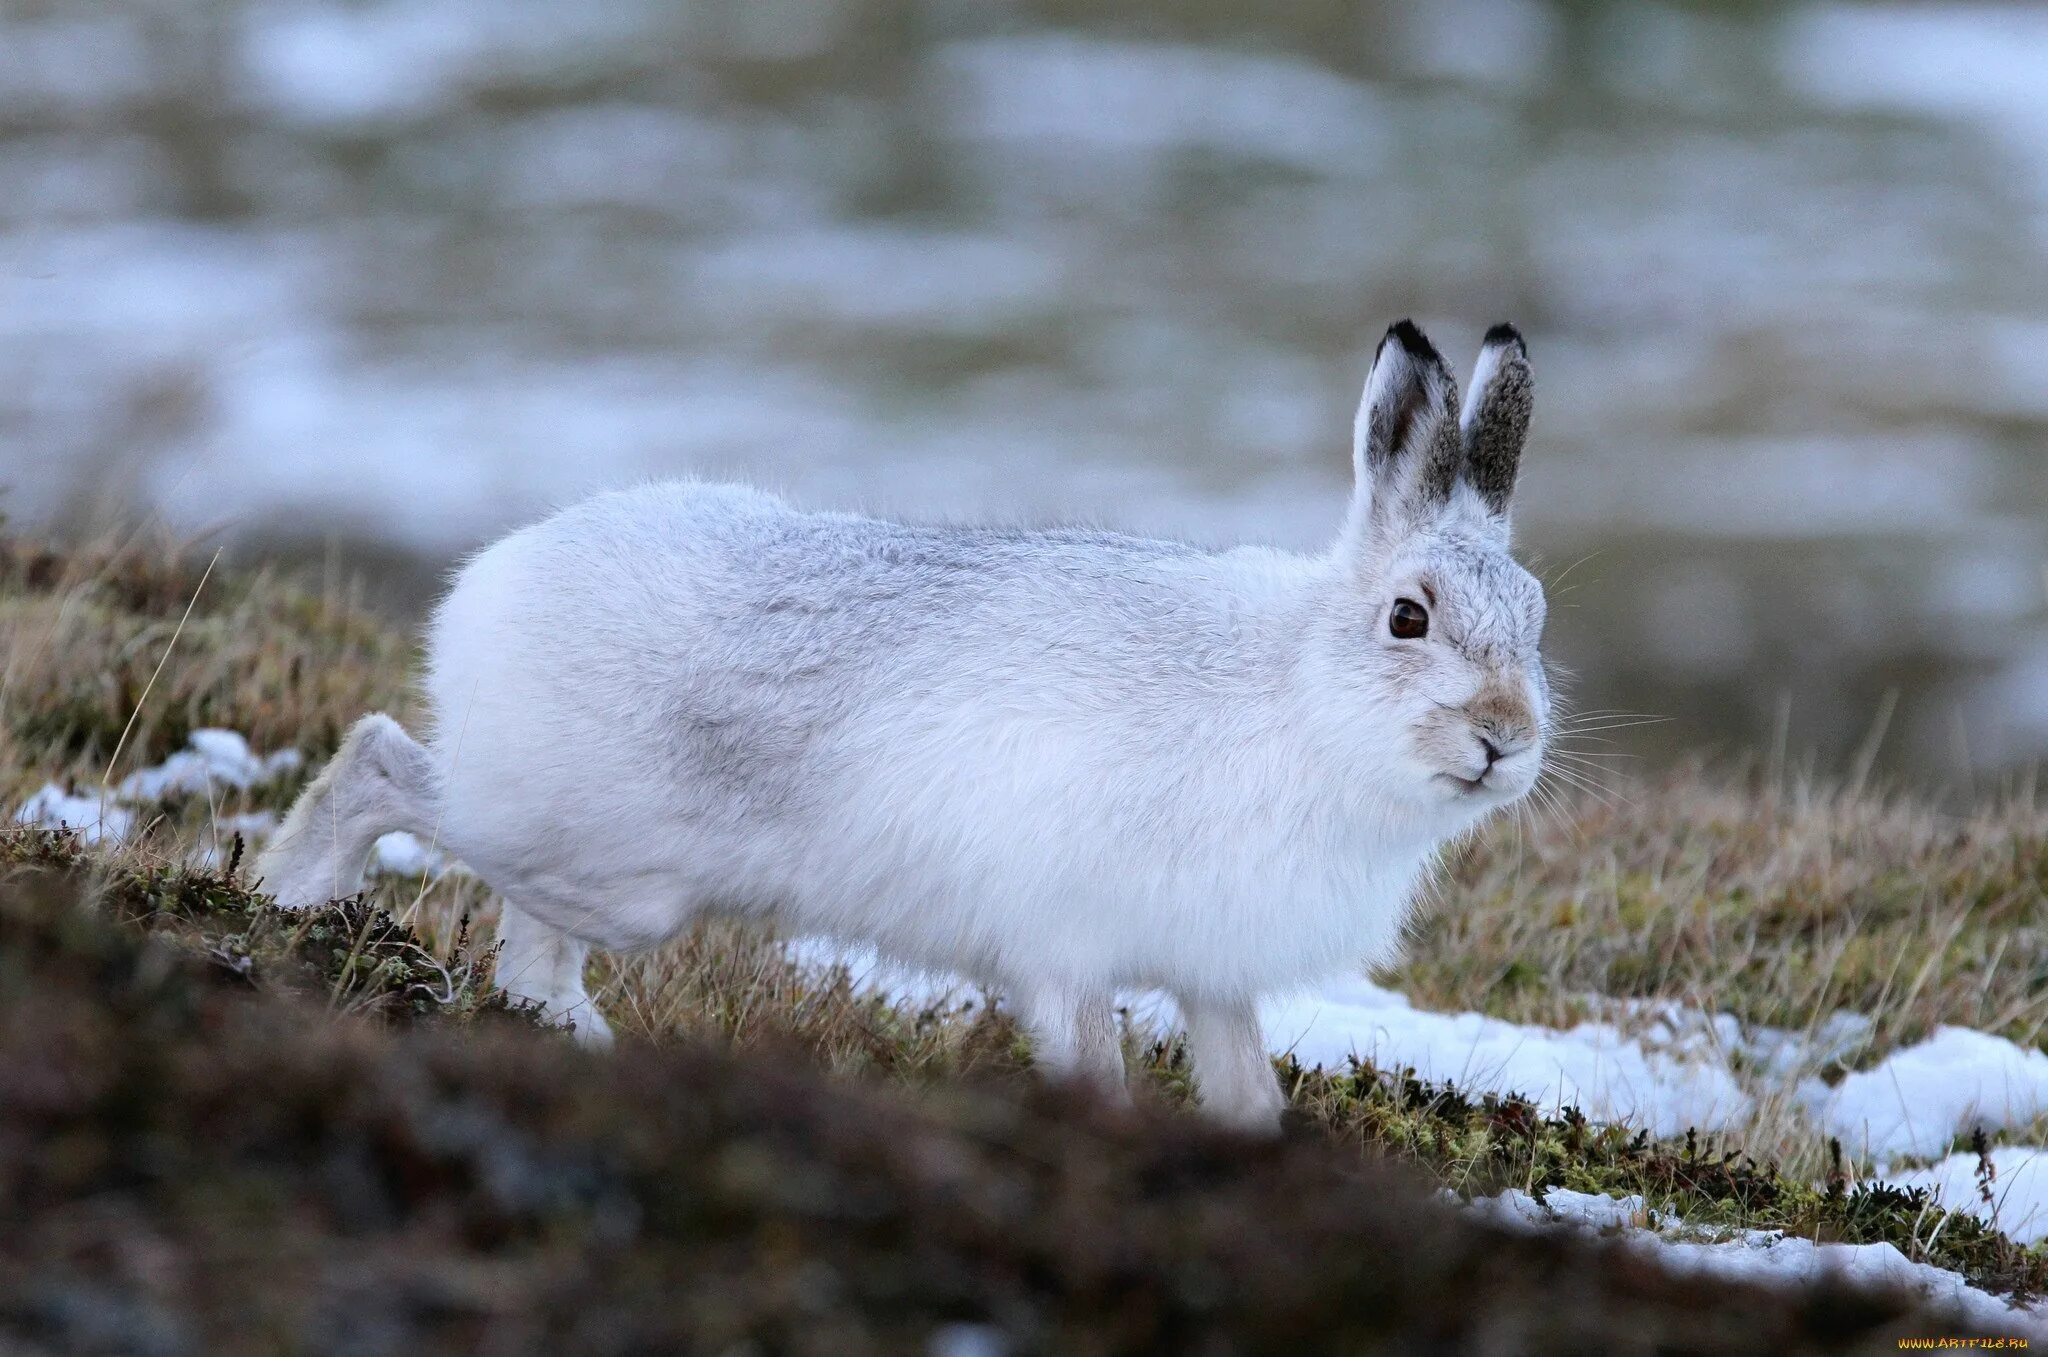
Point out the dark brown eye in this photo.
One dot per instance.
(1409, 621)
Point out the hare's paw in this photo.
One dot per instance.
(1234, 1077)
(541, 965)
(1255, 1108)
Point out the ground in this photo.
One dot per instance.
(1776, 898)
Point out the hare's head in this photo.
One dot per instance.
(1442, 628)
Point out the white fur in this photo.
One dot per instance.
(1063, 763)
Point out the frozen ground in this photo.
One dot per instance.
(1670, 1070)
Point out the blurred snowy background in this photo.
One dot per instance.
(377, 279)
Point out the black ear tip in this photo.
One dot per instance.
(1412, 341)
(1505, 333)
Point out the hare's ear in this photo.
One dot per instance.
(1404, 446)
(1495, 421)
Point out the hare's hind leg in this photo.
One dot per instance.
(1233, 1074)
(381, 780)
(1074, 1036)
(541, 964)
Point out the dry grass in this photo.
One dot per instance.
(1776, 899)
(83, 633)
(1774, 903)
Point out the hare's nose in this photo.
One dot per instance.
(1492, 751)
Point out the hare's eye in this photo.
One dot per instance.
(1409, 621)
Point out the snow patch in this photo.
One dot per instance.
(1526, 1212)
(212, 758)
(948, 280)
(1765, 1256)
(94, 817)
(2019, 1189)
(1777, 1055)
(1918, 1100)
(1595, 1067)
(1978, 63)
(344, 66)
(1070, 93)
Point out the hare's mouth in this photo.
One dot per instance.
(1467, 786)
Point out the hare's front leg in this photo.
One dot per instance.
(1074, 1036)
(542, 964)
(1233, 1074)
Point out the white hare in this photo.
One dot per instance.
(1060, 762)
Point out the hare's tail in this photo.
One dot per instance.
(381, 780)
